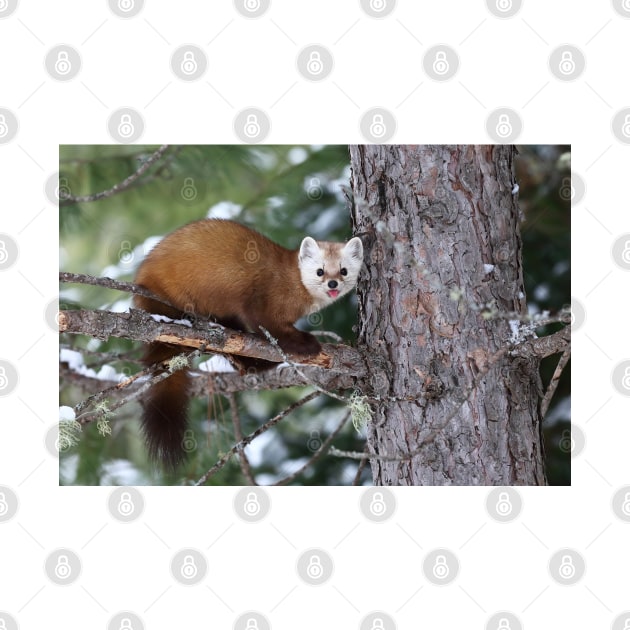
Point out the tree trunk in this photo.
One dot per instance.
(443, 274)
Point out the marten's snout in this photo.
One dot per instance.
(332, 290)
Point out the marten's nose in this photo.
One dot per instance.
(332, 284)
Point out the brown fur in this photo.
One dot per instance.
(240, 278)
(236, 275)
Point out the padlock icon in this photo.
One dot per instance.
(504, 505)
(315, 189)
(125, 624)
(188, 191)
(4, 506)
(378, 507)
(189, 568)
(62, 65)
(4, 256)
(378, 5)
(377, 127)
(440, 568)
(504, 126)
(189, 443)
(4, 128)
(4, 381)
(252, 504)
(314, 569)
(625, 506)
(625, 254)
(625, 381)
(252, 5)
(504, 5)
(440, 63)
(252, 624)
(252, 126)
(63, 569)
(503, 624)
(625, 128)
(189, 63)
(125, 505)
(567, 443)
(125, 126)
(63, 189)
(567, 192)
(378, 624)
(567, 64)
(125, 5)
(567, 568)
(314, 64)
(125, 253)
(314, 442)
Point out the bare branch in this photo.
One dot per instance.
(252, 436)
(553, 383)
(104, 410)
(542, 347)
(68, 200)
(141, 326)
(318, 453)
(109, 283)
(238, 434)
(362, 465)
(274, 342)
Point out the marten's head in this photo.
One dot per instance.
(329, 270)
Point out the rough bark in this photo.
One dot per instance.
(338, 359)
(443, 274)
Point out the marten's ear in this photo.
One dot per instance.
(354, 248)
(309, 249)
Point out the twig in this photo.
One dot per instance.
(109, 283)
(274, 342)
(553, 383)
(238, 434)
(117, 188)
(90, 416)
(327, 333)
(252, 436)
(318, 453)
(362, 465)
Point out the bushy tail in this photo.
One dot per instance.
(165, 415)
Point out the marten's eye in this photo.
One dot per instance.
(320, 272)
(344, 271)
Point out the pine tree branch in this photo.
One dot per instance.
(141, 326)
(109, 283)
(68, 199)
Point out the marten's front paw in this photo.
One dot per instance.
(305, 344)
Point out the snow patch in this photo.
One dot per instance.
(216, 363)
(515, 327)
(66, 413)
(224, 210)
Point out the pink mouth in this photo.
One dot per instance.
(333, 293)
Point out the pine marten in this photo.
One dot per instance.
(226, 271)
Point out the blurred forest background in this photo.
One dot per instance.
(285, 192)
